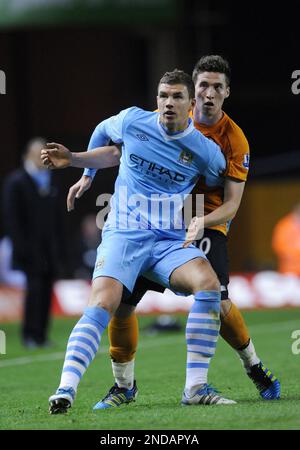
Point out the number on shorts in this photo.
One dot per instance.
(205, 245)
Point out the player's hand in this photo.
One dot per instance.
(77, 190)
(56, 156)
(194, 231)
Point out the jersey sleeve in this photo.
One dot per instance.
(108, 130)
(239, 158)
(214, 173)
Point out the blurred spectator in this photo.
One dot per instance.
(32, 221)
(8, 276)
(286, 242)
(89, 241)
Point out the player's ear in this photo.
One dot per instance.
(193, 103)
(227, 91)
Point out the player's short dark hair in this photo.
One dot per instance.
(212, 63)
(179, 77)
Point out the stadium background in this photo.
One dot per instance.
(69, 64)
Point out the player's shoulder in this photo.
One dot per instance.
(134, 115)
(205, 149)
(137, 112)
(204, 141)
(236, 136)
(199, 135)
(138, 117)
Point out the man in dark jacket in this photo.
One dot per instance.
(32, 220)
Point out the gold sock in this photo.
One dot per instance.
(233, 329)
(123, 336)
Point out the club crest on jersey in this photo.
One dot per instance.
(246, 160)
(185, 158)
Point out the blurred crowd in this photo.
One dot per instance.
(33, 251)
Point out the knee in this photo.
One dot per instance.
(213, 284)
(99, 299)
(95, 297)
(99, 302)
(210, 283)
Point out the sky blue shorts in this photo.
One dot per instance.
(127, 254)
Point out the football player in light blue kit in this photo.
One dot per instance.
(162, 157)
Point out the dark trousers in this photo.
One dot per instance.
(37, 307)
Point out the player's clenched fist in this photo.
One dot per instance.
(56, 156)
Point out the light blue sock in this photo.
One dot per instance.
(202, 331)
(83, 344)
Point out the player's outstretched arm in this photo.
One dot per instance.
(56, 156)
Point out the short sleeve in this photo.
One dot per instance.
(110, 129)
(238, 160)
(216, 167)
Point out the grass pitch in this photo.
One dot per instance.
(27, 378)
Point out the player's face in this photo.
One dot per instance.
(211, 90)
(174, 106)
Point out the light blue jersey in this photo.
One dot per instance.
(157, 170)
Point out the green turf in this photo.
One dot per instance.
(160, 370)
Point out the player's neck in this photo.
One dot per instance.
(175, 128)
(208, 120)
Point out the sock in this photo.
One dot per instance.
(233, 328)
(123, 335)
(83, 344)
(248, 356)
(124, 374)
(202, 331)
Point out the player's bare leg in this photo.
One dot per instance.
(234, 331)
(85, 339)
